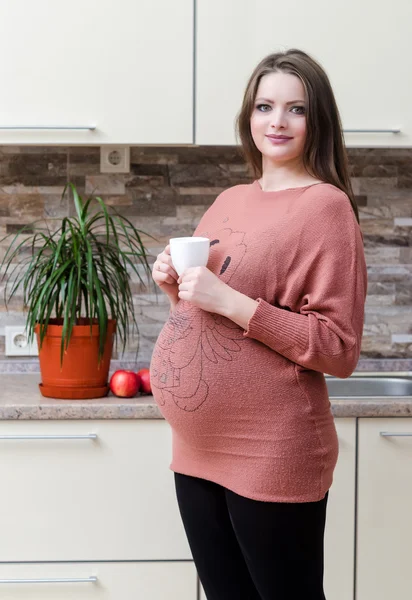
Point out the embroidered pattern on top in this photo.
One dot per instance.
(188, 339)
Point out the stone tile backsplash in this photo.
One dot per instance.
(167, 191)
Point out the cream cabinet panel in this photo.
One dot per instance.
(384, 509)
(109, 498)
(340, 520)
(362, 49)
(99, 581)
(340, 517)
(125, 67)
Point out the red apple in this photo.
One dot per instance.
(145, 386)
(124, 383)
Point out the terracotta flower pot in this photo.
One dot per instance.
(81, 376)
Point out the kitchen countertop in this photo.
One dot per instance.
(20, 399)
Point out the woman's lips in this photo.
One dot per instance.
(278, 139)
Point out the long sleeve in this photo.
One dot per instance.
(317, 318)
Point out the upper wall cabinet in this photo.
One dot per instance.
(364, 49)
(96, 70)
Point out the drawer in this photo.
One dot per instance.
(75, 498)
(99, 581)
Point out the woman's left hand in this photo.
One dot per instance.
(204, 289)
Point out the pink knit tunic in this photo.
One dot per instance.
(249, 410)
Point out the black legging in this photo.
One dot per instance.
(250, 550)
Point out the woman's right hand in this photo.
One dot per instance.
(165, 276)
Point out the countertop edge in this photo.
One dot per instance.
(399, 406)
(81, 411)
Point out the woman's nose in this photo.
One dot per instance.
(278, 119)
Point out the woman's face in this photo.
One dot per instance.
(278, 121)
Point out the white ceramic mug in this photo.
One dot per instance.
(189, 252)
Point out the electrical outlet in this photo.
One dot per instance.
(114, 159)
(17, 343)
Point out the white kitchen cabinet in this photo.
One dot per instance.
(340, 520)
(384, 509)
(114, 581)
(109, 498)
(125, 67)
(340, 517)
(360, 47)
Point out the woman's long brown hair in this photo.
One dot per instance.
(324, 153)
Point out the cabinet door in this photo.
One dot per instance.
(340, 517)
(360, 47)
(125, 67)
(384, 509)
(99, 581)
(340, 520)
(74, 498)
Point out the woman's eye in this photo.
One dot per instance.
(298, 110)
(263, 107)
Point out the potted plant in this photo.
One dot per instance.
(76, 291)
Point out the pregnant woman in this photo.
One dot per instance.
(238, 369)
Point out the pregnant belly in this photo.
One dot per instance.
(192, 351)
(210, 381)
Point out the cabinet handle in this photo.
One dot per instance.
(87, 436)
(49, 127)
(371, 131)
(389, 434)
(91, 579)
